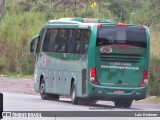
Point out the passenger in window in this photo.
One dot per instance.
(47, 40)
(84, 41)
(63, 41)
(82, 45)
(87, 37)
(52, 40)
(71, 45)
(56, 40)
(78, 40)
(111, 40)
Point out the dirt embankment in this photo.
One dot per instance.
(17, 85)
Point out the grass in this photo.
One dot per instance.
(152, 99)
(154, 77)
(15, 75)
(16, 33)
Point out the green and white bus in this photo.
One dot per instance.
(90, 60)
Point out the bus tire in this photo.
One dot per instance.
(74, 99)
(127, 103)
(87, 101)
(52, 97)
(123, 103)
(43, 94)
(42, 89)
(93, 101)
(118, 103)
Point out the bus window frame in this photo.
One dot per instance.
(82, 38)
(40, 40)
(58, 39)
(142, 44)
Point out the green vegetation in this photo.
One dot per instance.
(152, 99)
(15, 75)
(24, 18)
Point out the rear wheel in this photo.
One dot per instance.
(118, 103)
(87, 101)
(74, 99)
(123, 103)
(45, 95)
(127, 103)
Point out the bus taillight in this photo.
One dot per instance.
(100, 25)
(144, 81)
(93, 76)
(121, 24)
(143, 27)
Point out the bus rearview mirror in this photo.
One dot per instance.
(32, 45)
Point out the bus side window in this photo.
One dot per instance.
(62, 41)
(78, 40)
(86, 39)
(71, 45)
(47, 40)
(57, 41)
(38, 46)
(52, 44)
(85, 36)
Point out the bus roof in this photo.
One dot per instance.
(77, 20)
(87, 21)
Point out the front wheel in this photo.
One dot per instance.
(45, 95)
(42, 89)
(74, 99)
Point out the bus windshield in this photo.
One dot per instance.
(121, 35)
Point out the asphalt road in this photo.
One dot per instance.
(23, 102)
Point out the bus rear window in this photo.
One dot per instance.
(121, 35)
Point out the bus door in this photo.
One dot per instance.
(38, 48)
(35, 47)
(121, 56)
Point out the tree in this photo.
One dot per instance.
(118, 8)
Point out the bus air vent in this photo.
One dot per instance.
(114, 57)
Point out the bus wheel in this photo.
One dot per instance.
(74, 99)
(127, 103)
(123, 103)
(93, 101)
(45, 95)
(42, 89)
(118, 104)
(52, 97)
(87, 101)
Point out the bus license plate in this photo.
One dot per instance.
(119, 91)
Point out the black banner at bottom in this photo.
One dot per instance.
(81, 114)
